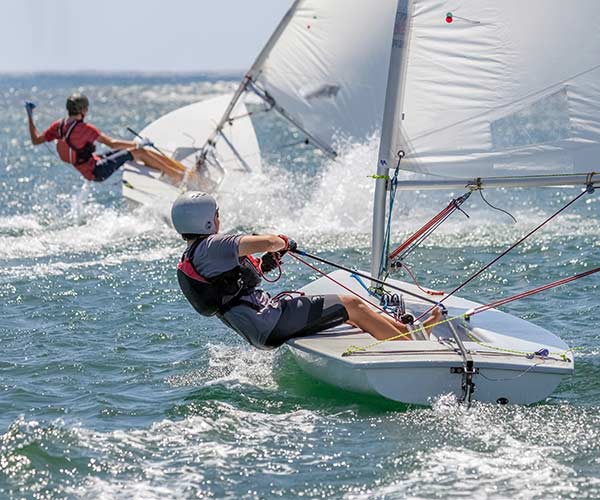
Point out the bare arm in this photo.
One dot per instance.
(261, 243)
(36, 137)
(116, 143)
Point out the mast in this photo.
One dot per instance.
(392, 119)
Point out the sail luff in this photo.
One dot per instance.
(251, 73)
(391, 117)
(264, 53)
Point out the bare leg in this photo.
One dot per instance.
(381, 326)
(153, 160)
(361, 315)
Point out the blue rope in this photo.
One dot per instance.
(362, 283)
(384, 299)
(388, 229)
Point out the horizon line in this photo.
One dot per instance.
(124, 72)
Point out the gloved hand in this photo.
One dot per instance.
(29, 107)
(142, 142)
(269, 261)
(290, 245)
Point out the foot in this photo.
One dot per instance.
(434, 319)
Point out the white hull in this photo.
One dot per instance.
(417, 372)
(180, 135)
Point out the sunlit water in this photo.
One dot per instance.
(112, 387)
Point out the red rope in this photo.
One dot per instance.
(444, 213)
(539, 289)
(277, 278)
(414, 278)
(341, 285)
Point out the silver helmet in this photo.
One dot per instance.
(194, 213)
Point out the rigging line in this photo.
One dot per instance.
(466, 316)
(507, 379)
(235, 151)
(473, 338)
(512, 247)
(279, 148)
(414, 278)
(496, 208)
(362, 275)
(383, 263)
(52, 152)
(232, 119)
(355, 349)
(516, 101)
(421, 239)
(242, 87)
(345, 287)
(543, 288)
(263, 94)
(430, 226)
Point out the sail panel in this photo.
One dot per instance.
(328, 67)
(499, 88)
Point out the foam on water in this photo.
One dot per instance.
(231, 366)
(487, 452)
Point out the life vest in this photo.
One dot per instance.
(78, 157)
(220, 293)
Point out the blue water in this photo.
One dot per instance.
(112, 387)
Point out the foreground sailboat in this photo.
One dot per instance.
(478, 96)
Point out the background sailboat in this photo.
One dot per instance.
(479, 95)
(324, 70)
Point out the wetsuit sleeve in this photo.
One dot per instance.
(51, 133)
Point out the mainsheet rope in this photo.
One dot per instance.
(464, 317)
(322, 273)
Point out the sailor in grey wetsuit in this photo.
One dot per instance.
(219, 276)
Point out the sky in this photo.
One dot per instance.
(135, 35)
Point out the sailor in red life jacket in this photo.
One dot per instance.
(75, 144)
(219, 276)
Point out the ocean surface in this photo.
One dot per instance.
(111, 386)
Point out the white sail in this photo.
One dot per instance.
(326, 66)
(506, 88)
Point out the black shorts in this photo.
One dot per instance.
(109, 162)
(303, 316)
